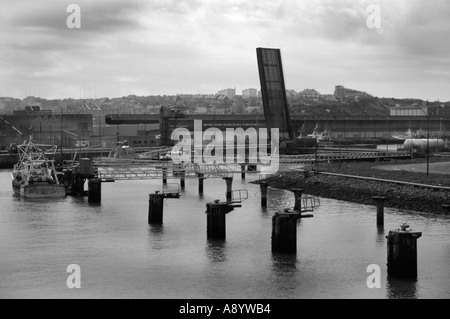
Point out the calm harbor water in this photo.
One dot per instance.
(121, 256)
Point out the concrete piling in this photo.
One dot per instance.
(156, 208)
(298, 198)
(402, 252)
(77, 187)
(164, 175)
(94, 190)
(182, 179)
(380, 209)
(229, 181)
(263, 186)
(215, 219)
(200, 182)
(242, 171)
(284, 233)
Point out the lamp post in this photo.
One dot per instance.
(117, 127)
(100, 129)
(428, 144)
(345, 135)
(389, 133)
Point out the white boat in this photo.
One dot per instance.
(35, 176)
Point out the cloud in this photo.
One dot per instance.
(176, 46)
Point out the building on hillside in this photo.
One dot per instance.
(340, 93)
(248, 93)
(230, 93)
(410, 110)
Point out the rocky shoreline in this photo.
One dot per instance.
(403, 197)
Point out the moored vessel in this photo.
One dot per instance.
(34, 175)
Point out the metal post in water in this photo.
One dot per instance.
(229, 181)
(200, 182)
(380, 209)
(263, 186)
(182, 179)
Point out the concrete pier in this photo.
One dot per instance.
(242, 171)
(155, 208)
(284, 233)
(298, 198)
(228, 194)
(164, 175)
(263, 186)
(402, 252)
(379, 200)
(94, 190)
(182, 179)
(77, 187)
(215, 219)
(200, 182)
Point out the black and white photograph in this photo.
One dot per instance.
(228, 156)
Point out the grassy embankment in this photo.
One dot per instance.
(404, 197)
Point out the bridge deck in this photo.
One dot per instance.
(126, 169)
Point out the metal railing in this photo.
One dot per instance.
(309, 203)
(239, 195)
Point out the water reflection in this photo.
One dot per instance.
(401, 288)
(156, 236)
(216, 250)
(381, 237)
(284, 264)
(94, 204)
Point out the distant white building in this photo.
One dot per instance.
(230, 93)
(247, 93)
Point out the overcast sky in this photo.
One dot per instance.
(202, 46)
